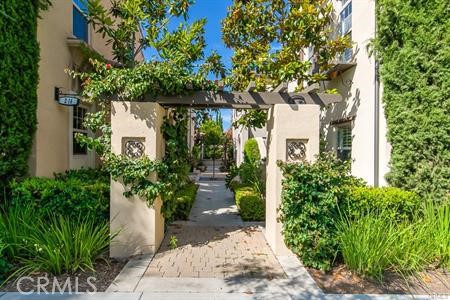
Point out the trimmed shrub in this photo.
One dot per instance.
(184, 199)
(250, 204)
(67, 195)
(251, 151)
(395, 202)
(311, 195)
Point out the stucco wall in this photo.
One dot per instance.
(52, 147)
(357, 85)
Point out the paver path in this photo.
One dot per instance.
(214, 243)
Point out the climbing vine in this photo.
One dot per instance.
(412, 46)
(179, 68)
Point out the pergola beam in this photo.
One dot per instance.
(261, 100)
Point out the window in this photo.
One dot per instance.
(344, 149)
(80, 23)
(346, 18)
(79, 114)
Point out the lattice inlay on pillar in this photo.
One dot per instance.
(296, 150)
(133, 147)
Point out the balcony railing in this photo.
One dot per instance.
(80, 25)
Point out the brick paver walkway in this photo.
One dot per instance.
(207, 250)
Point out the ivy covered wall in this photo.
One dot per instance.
(412, 44)
(19, 58)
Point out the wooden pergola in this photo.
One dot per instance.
(249, 98)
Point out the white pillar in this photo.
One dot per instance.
(289, 126)
(136, 128)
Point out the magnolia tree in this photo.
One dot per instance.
(178, 67)
(270, 39)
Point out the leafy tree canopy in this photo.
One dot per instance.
(270, 39)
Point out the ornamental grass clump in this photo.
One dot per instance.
(366, 243)
(55, 244)
(374, 242)
(61, 245)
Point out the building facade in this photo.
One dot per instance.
(64, 35)
(355, 128)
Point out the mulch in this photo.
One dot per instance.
(105, 273)
(342, 281)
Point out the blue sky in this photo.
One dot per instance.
(213, 11)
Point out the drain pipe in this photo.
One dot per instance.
(376, 156)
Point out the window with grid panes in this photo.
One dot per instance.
(344, 149)
(79, 114)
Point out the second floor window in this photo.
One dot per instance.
(80, 23)
(346, 18)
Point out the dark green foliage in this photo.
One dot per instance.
(51, 243)
(394, 202)
(77, 193)
(232, 173)
(250, 204)
(19, 57)
(184, 199)
(412, 46)
(251, 151)
(4, 265)
(309, 210)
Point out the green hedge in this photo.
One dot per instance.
(250, 204)
(19, 58)
(251, 151)
(184, 199)
(412, 46)
(72, 195)
(399, 204)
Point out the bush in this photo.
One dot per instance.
(399, 204)
(72, 195)
(19, 79)
(309, 209)
(251, 151)
(250, 204)
(184, 199)
(414, 70)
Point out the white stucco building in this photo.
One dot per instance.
(356, 127)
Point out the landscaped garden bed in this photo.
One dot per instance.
(247, 182)
(340, 280)
(360, 239)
